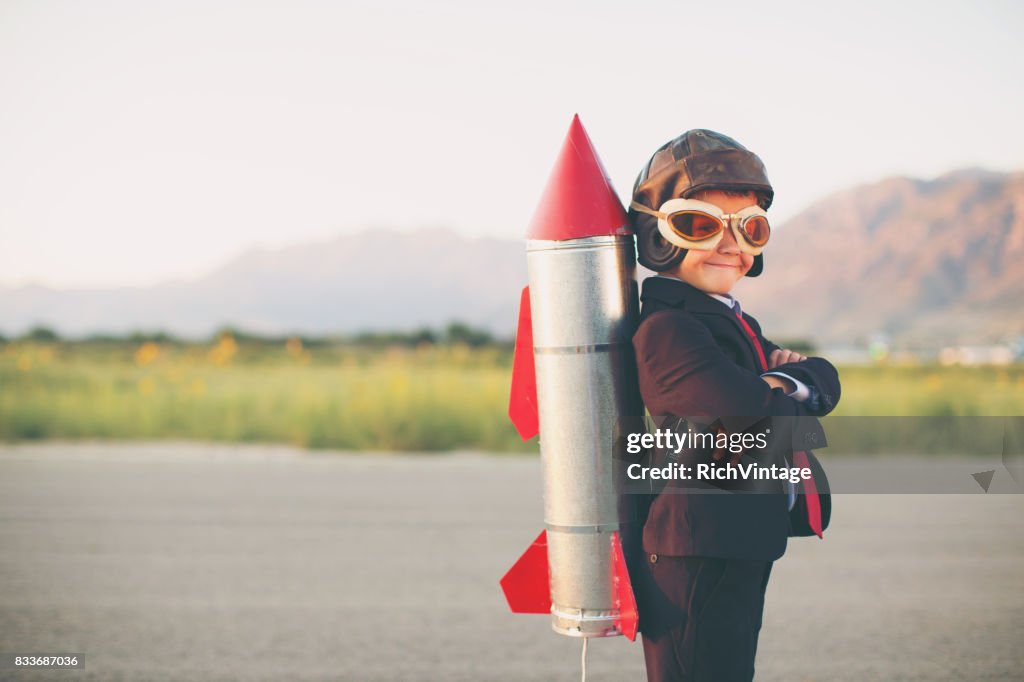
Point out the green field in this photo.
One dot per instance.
(428, 398)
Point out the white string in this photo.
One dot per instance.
(584, 659)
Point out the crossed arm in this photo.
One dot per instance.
(812, 371)
(684, 372)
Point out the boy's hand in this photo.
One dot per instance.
(781, 356)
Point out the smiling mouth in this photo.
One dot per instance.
(721, 265)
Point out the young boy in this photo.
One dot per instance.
(699, 213)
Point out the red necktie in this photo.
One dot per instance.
(800, 457)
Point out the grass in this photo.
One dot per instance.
(430, 398)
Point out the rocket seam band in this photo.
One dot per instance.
(579, 350)
(580, 618)
(599, 528)
(533, 245)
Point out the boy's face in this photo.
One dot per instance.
(717, 271)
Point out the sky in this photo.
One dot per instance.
(143, 142)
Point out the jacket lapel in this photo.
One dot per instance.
(680, 294)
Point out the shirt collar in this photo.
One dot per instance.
(727, 299)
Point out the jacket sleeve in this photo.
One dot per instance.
(683, 372)
(814, 371)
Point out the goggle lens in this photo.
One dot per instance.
(756, 230)
(695, 226)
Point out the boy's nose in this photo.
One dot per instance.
(728, 243)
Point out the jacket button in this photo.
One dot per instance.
(654, 558)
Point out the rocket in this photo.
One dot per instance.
(573, 379)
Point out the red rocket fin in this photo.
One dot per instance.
(527, 585)
(522, 402)
(625, 602)
(578, 200)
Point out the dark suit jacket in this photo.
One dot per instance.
(695, 360)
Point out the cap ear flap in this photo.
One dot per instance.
(653, 251)
(757, 267)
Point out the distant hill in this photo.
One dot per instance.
(374, 280)
(927, 263)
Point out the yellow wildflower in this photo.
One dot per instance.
(147, 353)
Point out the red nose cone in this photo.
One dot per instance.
(578, 200)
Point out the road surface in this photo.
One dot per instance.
(191, 562)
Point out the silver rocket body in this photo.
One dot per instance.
(583, 298)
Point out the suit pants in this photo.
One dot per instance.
(701, 616)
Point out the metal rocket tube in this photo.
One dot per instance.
(583, 297)
(573, 379)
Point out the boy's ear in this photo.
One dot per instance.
(654, 252)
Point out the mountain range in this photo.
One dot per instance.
(925, 263)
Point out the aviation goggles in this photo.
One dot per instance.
(694, 224)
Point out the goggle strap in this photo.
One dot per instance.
(637, 206)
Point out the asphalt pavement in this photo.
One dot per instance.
(206, 562)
